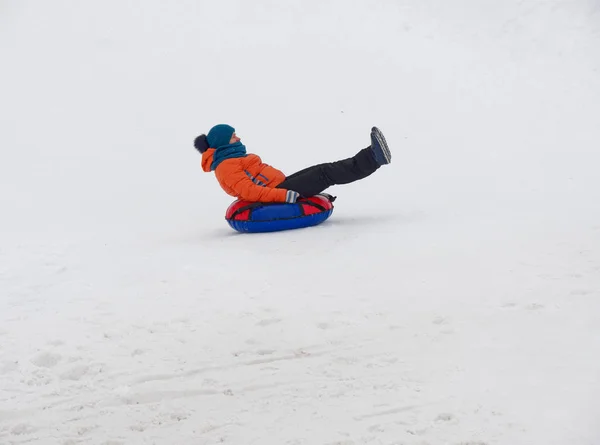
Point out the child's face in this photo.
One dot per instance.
(234, 139)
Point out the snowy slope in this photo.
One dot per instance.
(452, 298)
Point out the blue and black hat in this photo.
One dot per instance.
(218, 136)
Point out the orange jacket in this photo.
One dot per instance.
(247, 178)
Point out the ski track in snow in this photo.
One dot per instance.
(119, 379)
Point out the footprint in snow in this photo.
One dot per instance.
(136, 352)
(268, 321)
(22, 429)
(445, 418)
(79, 371)
(440, 321)
(46, 359)
(75, 373)
(580, 292)
(8, 367)
(265, 352)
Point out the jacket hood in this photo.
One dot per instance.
(207, 159)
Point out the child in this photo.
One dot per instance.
(246, 177)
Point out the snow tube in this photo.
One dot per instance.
(259, 217)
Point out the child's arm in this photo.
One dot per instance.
(247, 190)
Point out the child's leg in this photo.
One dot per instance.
(315, 179)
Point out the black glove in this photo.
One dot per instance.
(200, 143)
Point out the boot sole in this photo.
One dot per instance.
(387, 154)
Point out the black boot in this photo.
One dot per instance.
(380, 148)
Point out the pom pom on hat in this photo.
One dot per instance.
(200, 143)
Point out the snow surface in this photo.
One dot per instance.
(452, 298)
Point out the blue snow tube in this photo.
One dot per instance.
(260, 217)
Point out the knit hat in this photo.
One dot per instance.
(219, 135)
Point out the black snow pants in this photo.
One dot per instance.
(315, 179)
